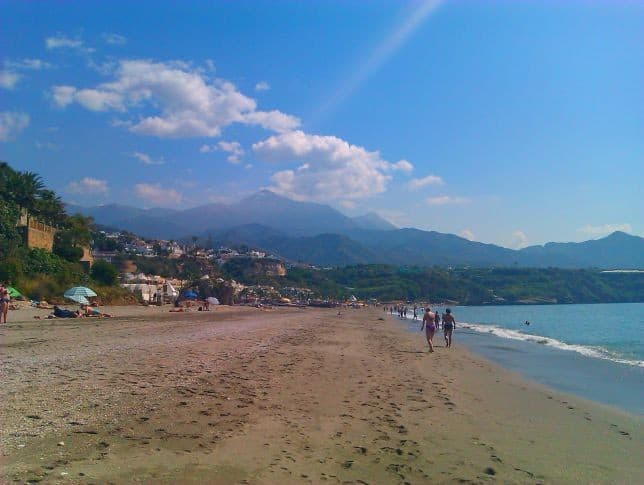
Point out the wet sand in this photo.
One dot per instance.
(241, 395)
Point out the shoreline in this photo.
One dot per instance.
(290, 396)
(609, 382)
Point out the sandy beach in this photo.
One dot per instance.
(242, 395)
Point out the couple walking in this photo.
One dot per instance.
(430, 324)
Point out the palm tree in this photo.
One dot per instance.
(25, 189)
(50, 208)
(6, 173)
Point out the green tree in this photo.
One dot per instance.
(75, 234)
(50, 208)
(104, 273)
(24, 188)
(10, 239)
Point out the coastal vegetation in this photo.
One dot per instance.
(37, 272)
(469, 286)
(43, 274)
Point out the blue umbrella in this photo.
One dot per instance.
(79, 299)
(79, 291)
(190, 295)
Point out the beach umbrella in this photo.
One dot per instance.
(79, 291)
(190, 295)
(79, 299)
(213, 301)
(13, 293)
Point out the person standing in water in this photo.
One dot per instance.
(437, 320)
(449, 324)
(429, 326)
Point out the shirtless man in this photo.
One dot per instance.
(429, 326)
(449, 324)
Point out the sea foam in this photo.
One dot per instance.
(588, 351)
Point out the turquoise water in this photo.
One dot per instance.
(593, 351)
(613, 331)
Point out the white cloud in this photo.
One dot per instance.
(348, 204)
(596, 231)
(519, 239)
(29, 64)
(273, 120)
(262, 86)
(467, 234)
(330, 168)
(92, 99)
(114, 39)
(446, 200)
(403, 166)
(422, 182)
(397, 218)
(10, 76)
(47, 145)
(147, 159)
(158, 195)
(87, 185)
(188, 103)
(63, 95)
(233, 148)
(12, 123)
(8, 79)
(61, 41)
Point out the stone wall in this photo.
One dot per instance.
(38, 235)
(87, 260)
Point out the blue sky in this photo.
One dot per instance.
(514, 123)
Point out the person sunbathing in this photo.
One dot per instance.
(64, 313)
(95, 312)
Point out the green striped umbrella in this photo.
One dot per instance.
(77, 291)
(13, 293)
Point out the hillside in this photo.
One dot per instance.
(617, 250)
(319, 234)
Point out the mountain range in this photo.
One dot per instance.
(318, 234)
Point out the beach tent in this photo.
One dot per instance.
(147, 291)
(170, 290)
(190, 295)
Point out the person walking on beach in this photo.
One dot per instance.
(1, 302)
(429, 326)
(437, 319)
(448, 326)
(4, 305)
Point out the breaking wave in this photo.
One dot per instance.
(588, 351)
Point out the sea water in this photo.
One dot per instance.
(594, 351)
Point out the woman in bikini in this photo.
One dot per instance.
(429, 326)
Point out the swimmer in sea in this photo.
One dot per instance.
(429, 326)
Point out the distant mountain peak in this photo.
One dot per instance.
(620, 235)
(373, 221)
